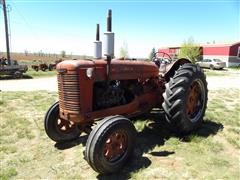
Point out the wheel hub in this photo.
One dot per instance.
(65, 126)
(115, 146)
(194, 100)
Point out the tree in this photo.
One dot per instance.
(152, 54)
(124, 51)
(26, 52)
(190, 50)
(63, 54)
(40, 53)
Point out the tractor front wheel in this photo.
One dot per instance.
(110, 144)
(185, 98)
(57, 129)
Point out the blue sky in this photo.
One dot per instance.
(55, 25)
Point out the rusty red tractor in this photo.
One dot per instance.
(107, 92)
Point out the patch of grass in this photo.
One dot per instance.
(209, 72)
(37, 74)
(173, 141)
(8, 149)
(236, 68)
(235, 130)
(223, 106)
(212, 152)
(235, 141)
(140, 124)
(218, 162)
(7, 173)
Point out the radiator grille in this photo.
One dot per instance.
(69, 92)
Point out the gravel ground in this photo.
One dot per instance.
(50, 83)
(223, 82)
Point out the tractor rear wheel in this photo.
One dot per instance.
(185, 98)
(57, 129)
(110, 144)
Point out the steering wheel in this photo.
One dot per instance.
(161, 57)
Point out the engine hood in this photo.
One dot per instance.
(120, 69)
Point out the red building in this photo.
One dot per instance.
(229, 53)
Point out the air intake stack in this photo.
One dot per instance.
(97, 45)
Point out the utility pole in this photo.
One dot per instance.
(6, 30)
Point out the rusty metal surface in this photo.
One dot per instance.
(139, 105)
(115, 145)
(170, 68)
(192, 99)
(68, 88)
(69, 94)
(119, 69)
(76, 88)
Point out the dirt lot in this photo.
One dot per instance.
(224, 82)
(50, 83)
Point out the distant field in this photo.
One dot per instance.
(212, 152)
(36, 59)
(40, 57)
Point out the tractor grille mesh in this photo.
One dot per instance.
(69, 92)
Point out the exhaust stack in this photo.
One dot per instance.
(109, 44)
(97, 45)
(109, 37)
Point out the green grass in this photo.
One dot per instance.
(31, 73)
(224, 72)
(235, 68)
(210, 72)
(37, 74)
(212, 152)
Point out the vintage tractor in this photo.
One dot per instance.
(9, 67)
(108, 92)
(42, 67)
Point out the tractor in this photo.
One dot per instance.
(100, 96)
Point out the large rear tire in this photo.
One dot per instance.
(185, 99)
(110, 144)
(57, 129)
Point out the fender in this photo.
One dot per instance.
(170, 68)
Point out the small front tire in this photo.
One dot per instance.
(110, 144)
(57, 129)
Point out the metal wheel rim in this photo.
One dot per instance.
(195, 100)
(115, 146)
(65, 126)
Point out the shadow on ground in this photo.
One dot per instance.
(153, 134)
(69, 144)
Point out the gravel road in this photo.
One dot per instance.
(50, 83)
(223, 82)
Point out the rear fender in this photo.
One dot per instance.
(171, 68)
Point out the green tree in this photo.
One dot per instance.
(124, 51)
(190, 50)
(152, 54)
